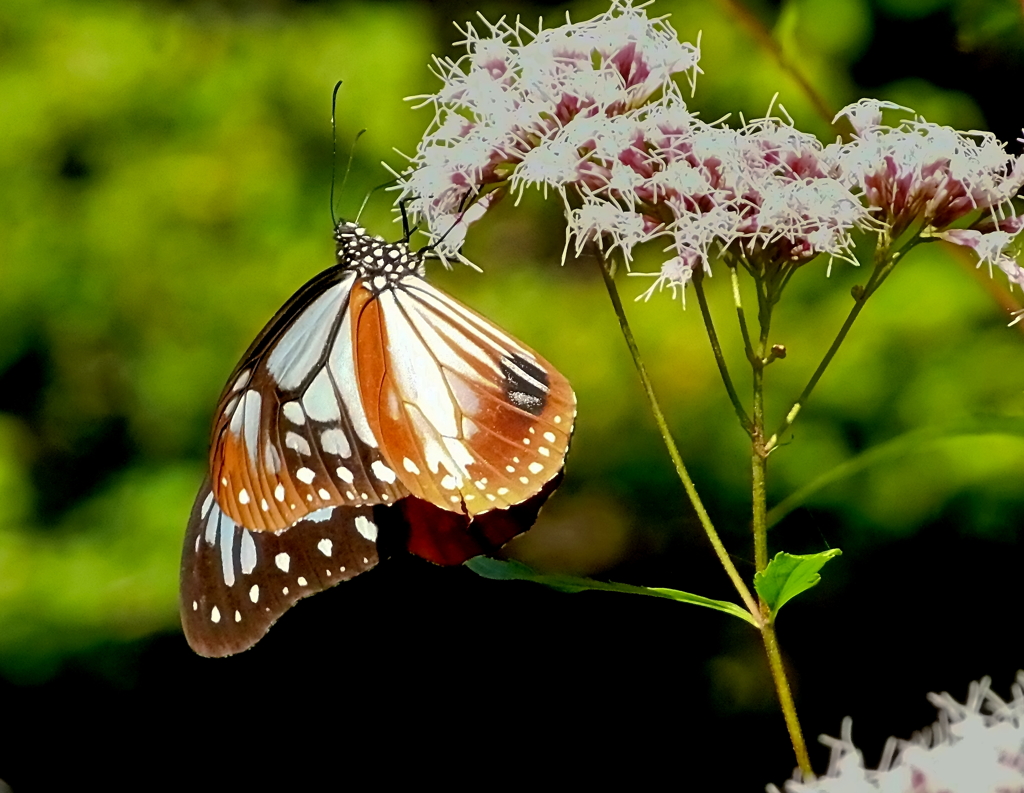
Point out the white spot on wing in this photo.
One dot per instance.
(342, 364)
(326, 546)
(294, 413)
(301, 581)
(335, 441)
(238, 616)
(279, 492)
(345, 475)
(207, 503)
(248, 554)
(295, 441)
(254, 593)
(283, 560)
(252, 406)
(382, 472)
(320, 515)
(535, 468)
(271, 458)
(549, 437)
(215, 614)
(320, 401)
(243, 496)
(210, 535)
(227, 547)
(415, 371)
(301, 346)
(305, 475)
(367, 528)
(410, 466)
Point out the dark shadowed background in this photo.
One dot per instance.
(164, 180)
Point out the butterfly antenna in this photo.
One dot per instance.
(334, 157)
(406, 231)
(383, 186)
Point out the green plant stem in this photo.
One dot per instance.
(884, 264)
(673, 451)
(758, 467)
(767, 296)
(716, 348)
(734, 280)
(796, 736)
(806, 393)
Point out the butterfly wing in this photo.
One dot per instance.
(235, 582)
(450, 538)
(471, 419)
(356, 411)
(291, 436)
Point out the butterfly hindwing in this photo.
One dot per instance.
(235, 583)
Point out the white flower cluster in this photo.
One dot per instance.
(520, 104)
(926, 175)
(965, 751)
(591, 111)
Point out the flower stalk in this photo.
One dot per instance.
(670, 444)
(716, 349)
(884, 264)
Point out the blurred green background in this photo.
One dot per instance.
(164, 180)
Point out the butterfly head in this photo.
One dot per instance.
(378, 263)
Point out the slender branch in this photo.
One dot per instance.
(883, 266)
(737, 299)
(673, 451)
(796, 735)
(806, 393)
(716, 348)
(758, 465)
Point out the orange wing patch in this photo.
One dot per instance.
(470, 419)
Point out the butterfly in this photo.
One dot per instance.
(372, 410)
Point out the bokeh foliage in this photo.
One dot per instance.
(164, 180)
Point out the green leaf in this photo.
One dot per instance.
(787, 575)
(500, 570)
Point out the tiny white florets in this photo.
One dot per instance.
(674, 275)
(599, 221)
(592, 111)
(975, 747)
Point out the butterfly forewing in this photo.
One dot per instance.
(235, 582)
(291, 436)
(471, 419)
